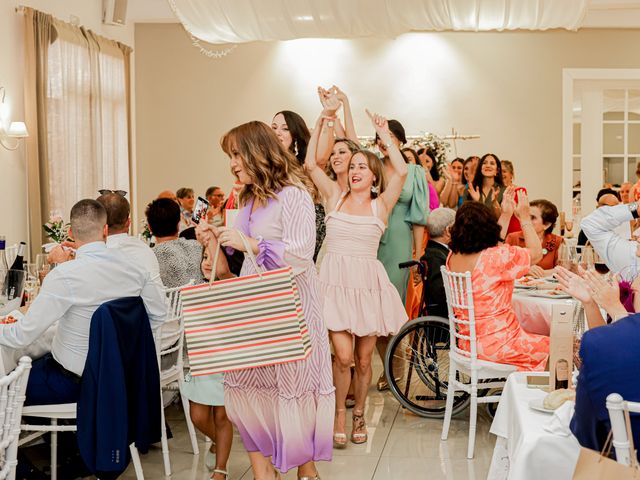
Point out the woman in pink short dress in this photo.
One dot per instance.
(358, 299)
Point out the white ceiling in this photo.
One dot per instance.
(601, 13)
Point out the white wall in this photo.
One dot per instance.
(13, 196)
(506, 87)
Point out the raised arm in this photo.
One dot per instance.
(531, 240)
(598, 226)
(508, 208)
(327, 132)
(327, 187)
(350, 129)
(400, 170)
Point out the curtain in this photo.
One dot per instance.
(87, 120)
(222, 21)
(82, 100)
(39, 33)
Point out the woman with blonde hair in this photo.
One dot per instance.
(359, 302)
(283, 412)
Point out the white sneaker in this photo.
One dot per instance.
(210, 459)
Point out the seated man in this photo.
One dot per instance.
(435, 255)
(70, 294)
(606, 197)
(119, 221)
(598, 378)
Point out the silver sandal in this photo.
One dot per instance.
(223, 472)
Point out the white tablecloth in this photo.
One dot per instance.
(9, 356)
(534, 313)
(524, 449)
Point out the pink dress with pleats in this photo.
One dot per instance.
(357, 295)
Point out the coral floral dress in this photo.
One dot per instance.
(500, 338)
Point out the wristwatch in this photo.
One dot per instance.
(633, 208)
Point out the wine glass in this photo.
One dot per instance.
(42, 266)
(598, 263)
(568, 225)
(587, 261)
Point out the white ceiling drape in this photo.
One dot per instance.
(239, 21)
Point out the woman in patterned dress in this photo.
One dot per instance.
(476, 248)
(283, 412)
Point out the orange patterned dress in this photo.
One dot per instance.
(500, 337)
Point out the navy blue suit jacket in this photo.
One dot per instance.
(610, 364)
(119, 399)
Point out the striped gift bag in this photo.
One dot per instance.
(245, 322)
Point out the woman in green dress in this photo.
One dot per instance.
(402, 241)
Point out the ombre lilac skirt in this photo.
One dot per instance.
(286, 411)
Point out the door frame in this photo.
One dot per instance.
(569, 77)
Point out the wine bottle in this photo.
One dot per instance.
(15, 275)
(3, 259)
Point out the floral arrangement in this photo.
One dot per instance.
(146, 231)
(432, 142)
(435, 144)
(56, 229)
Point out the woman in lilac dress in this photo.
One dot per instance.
(284, 412)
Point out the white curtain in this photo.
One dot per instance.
(87, 124)
(238, 21)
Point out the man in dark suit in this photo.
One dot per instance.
(435, 255)
(610, 363)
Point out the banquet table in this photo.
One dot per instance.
(534, 313)
(531, 445)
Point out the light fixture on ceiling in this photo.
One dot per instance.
(10, 137)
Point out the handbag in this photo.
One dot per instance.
(244, 322)
(598, 466)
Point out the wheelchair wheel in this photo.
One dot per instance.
(417, 367)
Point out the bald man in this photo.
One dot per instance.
(608, 197)
(168, 194)
(625, 192)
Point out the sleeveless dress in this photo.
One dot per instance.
(357, 295)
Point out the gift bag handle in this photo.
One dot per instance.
(248, 252)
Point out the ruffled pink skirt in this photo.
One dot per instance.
(358, 297)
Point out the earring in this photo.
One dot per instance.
(295, 147)
(375, 189)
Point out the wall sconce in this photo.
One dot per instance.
(10, 138)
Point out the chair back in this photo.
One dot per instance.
(623, 445)
(458, 289)
(174, 339)
(12, 396)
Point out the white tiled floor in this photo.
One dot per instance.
(401, 446)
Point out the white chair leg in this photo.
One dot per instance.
(135, 458)
(473, 418)
(54, 451)
(190, 427)
(451, 393)
(165, 443)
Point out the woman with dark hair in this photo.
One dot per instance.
(359, 302)
(475, 247)
(487, 185)
(450, 195)
(543, 218)
(294, 135)
(412, 157)
(283, 412)
(428, 161)
(403, 239)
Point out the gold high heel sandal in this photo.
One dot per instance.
(339, 438)
(359, 429)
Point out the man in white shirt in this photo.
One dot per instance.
(70, 294)
(619, 253)
(119, 221)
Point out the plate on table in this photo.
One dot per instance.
(549, 294)
(537, 404)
